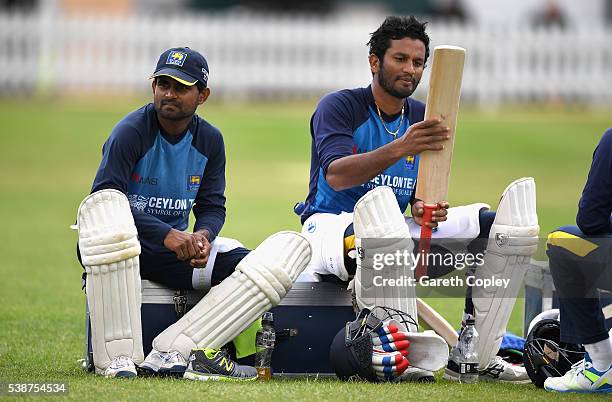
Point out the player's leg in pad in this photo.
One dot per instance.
(260, 281)
(109, 249)
(173, 363)
(380, 229)
(512, 241)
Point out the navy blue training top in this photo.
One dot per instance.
(595, 205)
(165, 176)
(344, 123)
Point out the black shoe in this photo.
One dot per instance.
(215, 365)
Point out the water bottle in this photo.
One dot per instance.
(264, 346)
(468, 347)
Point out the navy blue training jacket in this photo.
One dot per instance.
(164, 176)
(595, 205)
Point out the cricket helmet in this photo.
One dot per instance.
(544, 354)
(351, 350)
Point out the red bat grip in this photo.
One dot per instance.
(425, 242)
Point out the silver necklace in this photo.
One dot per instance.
(393, 133)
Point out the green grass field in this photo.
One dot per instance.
(49, 151)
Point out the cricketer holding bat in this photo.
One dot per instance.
(580, 263)
(159, 163)
(364, 163)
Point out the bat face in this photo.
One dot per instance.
(442, 101)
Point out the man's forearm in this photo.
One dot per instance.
(212, 221)
(150, 227)
(354, 170)
(204, 232)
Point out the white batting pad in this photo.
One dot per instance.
(513, 239)
(428, 350)
(109, 249)
(325, 232)
(259, 283)
(377, 216)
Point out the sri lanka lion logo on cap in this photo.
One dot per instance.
(176, 58)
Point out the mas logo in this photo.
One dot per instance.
(193, 182)
(176, 58)
(410, 162)
(138, 179)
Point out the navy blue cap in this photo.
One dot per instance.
(185, 65)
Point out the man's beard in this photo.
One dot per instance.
(387, 84)
(179, 114)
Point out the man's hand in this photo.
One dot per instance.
(184, 245)
(439, 215)
(427, 135)
(202, 240)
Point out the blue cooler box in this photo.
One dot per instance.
(317, 310)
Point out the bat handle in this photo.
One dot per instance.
(425, 242)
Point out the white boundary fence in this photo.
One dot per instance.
(287, 57)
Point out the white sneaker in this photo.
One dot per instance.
(582, 378)
(502, 371)
(120, 367)
(165, 363)
(497, 370)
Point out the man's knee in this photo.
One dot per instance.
(578, 264)
(326, 234)
(225, 264)
(163, 267)
(570, 229)
(568, 244)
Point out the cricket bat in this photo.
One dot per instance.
(434, 166)
(437, 322)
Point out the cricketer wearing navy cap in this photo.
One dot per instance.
(168, 160)
(159, 164)
(185, 65)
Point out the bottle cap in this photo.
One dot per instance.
(267, 318)
(470, 321)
